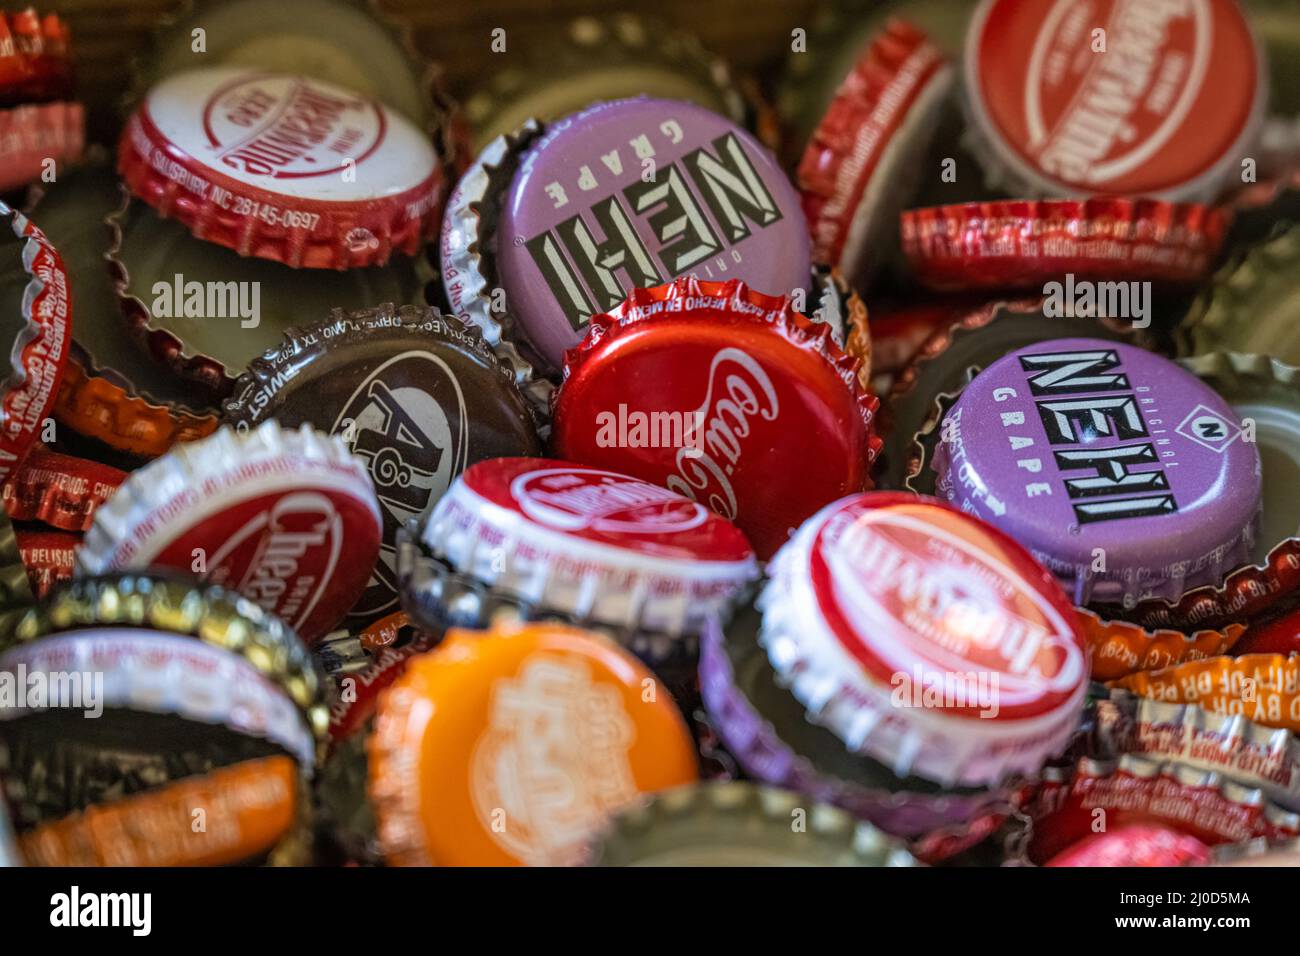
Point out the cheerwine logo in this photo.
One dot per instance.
(739, 394)
(1085, 404)
(967, 615)
(289, 554)
(413, 440)
(590, 500)
(592, 259)
(1127, 103)
(553, 761)
(285, 127)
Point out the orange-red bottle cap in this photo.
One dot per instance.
(511, 747)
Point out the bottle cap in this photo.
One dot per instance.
(48, 556)
(1118, 648)
(555, 271)
(1249, 753)
(1266, 395)
(412, 393)
(740, 824)
(35, 319)
(1027, 244)
(382, 652)
(34, 134)
(160, 607)
(1107, 462)
(590, 543)
(356, 45)
(1251, 304)
(1261, 687)
(771, 420)
(58, 490)
(602, 57)
(945, 363)
(111, 390)
(1136, 844)
(248, 810)
(35, 61)
(283, 167)
(1278, 634)
(1157, 102)
(1135, 790)
(517, 709)
(768, 732)
(286, 518)
(203, 312)
(865, 155)
(925, 639)
(15, 588)
(838, 35)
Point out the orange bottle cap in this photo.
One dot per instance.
(511, 747)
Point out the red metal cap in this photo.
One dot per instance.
(283, 167)
(1023, 244)
(926, 639)
(724, 395)
(1120, 97)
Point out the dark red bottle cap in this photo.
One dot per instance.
(1022, 244)
(59, 490)
(724, 395)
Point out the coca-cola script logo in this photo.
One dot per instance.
(911, 589)
(574, 499)
(284, 558)
(286, 127)
(1097, 118)
(739, 391)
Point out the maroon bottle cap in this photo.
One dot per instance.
(48, 556)
(286, 518)
(58, 490)
(1148, 99)
(754, 412)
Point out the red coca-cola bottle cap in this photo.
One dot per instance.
(724, 395)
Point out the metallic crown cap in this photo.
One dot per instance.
(413, 394)
(163, 604)
(740, 824)
(287, 518)
(283, 167)
(1110, 464)
(1163, 109)
(882, 603)
(35, 319)
(771, 420)
(591, 543)
(516, 709)
(633, 193)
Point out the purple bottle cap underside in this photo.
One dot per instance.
(631, 194)
(1123, 473)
